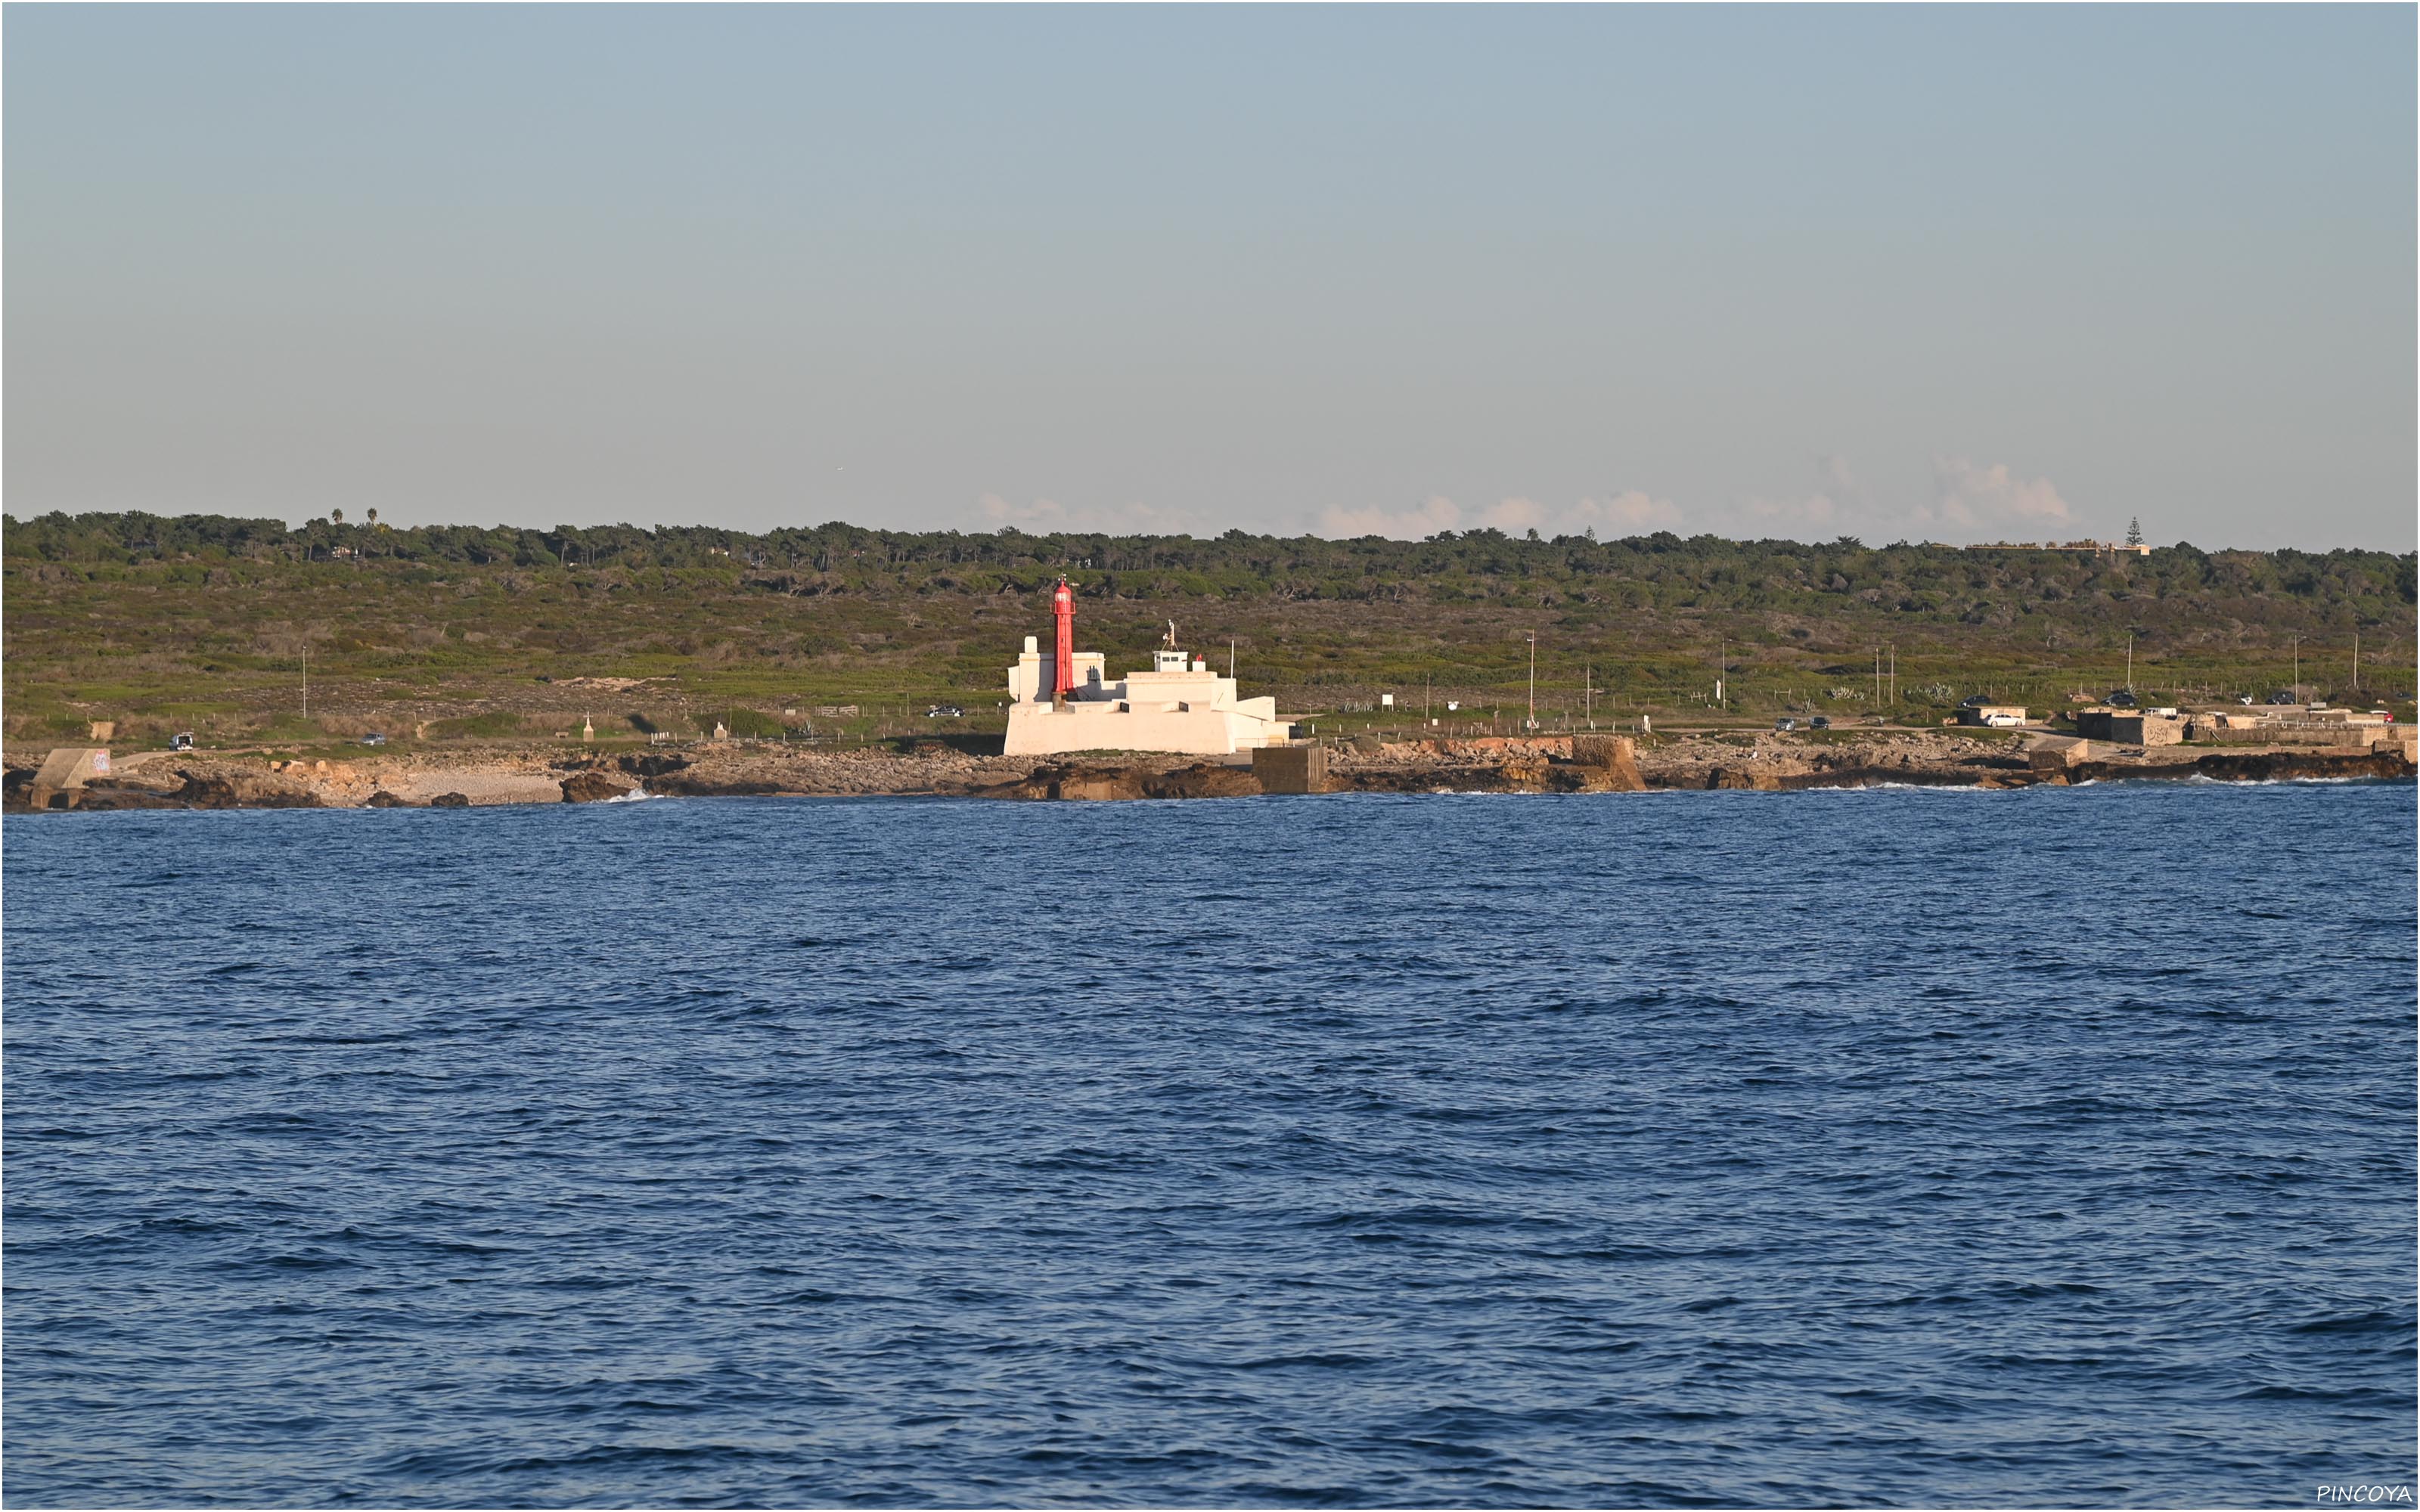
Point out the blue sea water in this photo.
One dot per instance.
(1884, 1147)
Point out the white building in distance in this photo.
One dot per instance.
(1179, 705)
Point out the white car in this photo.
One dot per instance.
(2003, 721)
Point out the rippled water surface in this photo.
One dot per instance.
(2052, 1146)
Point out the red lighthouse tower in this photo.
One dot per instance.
(1062, 610)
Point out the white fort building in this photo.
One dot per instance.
(1063, 702)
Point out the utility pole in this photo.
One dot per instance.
(2356, 661)
(2129, 663)
(1894, 673)
(1534, 680)
(1231, 657)
(1587, 691)
(307, 676)
(2298, 669)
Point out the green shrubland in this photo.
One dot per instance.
(455, 633)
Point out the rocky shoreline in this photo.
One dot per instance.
(1540, 765)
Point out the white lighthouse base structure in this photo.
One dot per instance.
(1179, 705)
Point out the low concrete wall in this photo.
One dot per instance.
(64, 773)
(1291, 769)
(2050, 754)
(2122, 727)
(2278, 734)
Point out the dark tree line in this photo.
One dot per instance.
(1661, 571)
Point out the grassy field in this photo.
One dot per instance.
(436, 652)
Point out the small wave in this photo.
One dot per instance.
(2369, 1322)
(1908, 787)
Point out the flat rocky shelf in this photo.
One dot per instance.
(1511, 764)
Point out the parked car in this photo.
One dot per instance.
(1821, 721)
(1785, 726)
(945, 710)
(374, 738)
(1973, 700)
(2003, 721)
(2121, 699)
(2281, 699)
(182, 740)
(2243, 698)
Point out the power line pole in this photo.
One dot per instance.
(1534, 680)
(306, 677)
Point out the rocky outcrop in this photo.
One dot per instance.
(449, 800)
(2252, 767)
(1074, 783)
(1204, 780)
(103, 796)
(383, 799)
(594, 787)
(691, 782)
(206, 788)
(1753, 778)
(1457, 778)
(1608, 764)
(1087, 782)
(1525, 772)
(649, 764)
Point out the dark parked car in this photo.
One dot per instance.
(2281, 698)
(1821, 721)
(945, 710)
(2122, 699)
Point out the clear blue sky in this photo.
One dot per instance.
(1957, 273)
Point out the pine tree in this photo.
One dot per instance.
(2134, 531)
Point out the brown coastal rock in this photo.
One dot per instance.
(593, 787)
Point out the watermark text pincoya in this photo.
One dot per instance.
(2365, 1493)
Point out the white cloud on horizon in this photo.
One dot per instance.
(1044, 516)
(1992, 499)
(1967, 503)
(1437, 514)
(1630, 513)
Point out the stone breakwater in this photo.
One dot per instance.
(1540, 765)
